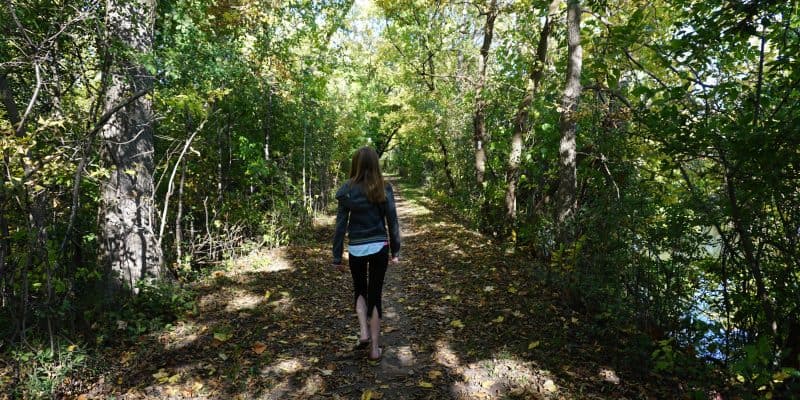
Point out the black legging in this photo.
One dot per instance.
(370, 288)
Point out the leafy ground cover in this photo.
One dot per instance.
(463, 319)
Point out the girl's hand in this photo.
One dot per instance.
(395, 260)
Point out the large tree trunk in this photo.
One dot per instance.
(129, 246)
(521, 125)
(567, 173)
(5, 245)
(479, 120)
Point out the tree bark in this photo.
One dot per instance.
(267, 123)
(13, 116)
(447, 171)
(179, 218)
(521, 125)
(129, 247)
(479, 120)
(567, 188)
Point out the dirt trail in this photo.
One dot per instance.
(462, 320)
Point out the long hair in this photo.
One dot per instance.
(365, 170)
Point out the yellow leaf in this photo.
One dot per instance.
(222, 336)
(71, 348)
(259, 347)
(533, 345)
(499, 319)
(512, 289)
(367, 395)
(161, 376)
(574, 320)
(779, 376)
(426, 385)
(456, 323)
(740, 378)
(434, 374)
(174, 378)
(550, 386)
(266, 295)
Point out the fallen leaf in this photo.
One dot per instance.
(456, 323)
(126, 357)
(174, 378)
(533, 345)
(426, 385)
(434, 374)
(259, 347)
(367, 395)
(550, 386)
(222, 336)
(499, 319)
(161, 376)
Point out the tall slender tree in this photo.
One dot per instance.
(521, 123)
(129, 249)
(567, 172)
(479, 119)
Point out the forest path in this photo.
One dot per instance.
(462, 320)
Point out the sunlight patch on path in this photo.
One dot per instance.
(182, 335)
(243, 300)
(501, 377)
(263, 260)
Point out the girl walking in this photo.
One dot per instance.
(366, 209)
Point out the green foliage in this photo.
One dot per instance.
(41, 369)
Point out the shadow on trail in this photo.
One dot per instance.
(462, 320)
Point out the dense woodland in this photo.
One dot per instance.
(645, 155)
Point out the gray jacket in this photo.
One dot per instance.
(364, 222)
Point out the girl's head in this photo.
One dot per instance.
(365, 170)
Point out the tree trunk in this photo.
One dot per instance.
(179, 217)
(479, 120)
(521, 126)
(447, 171)
(5, 246)
(129, 248)
(566, 204)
